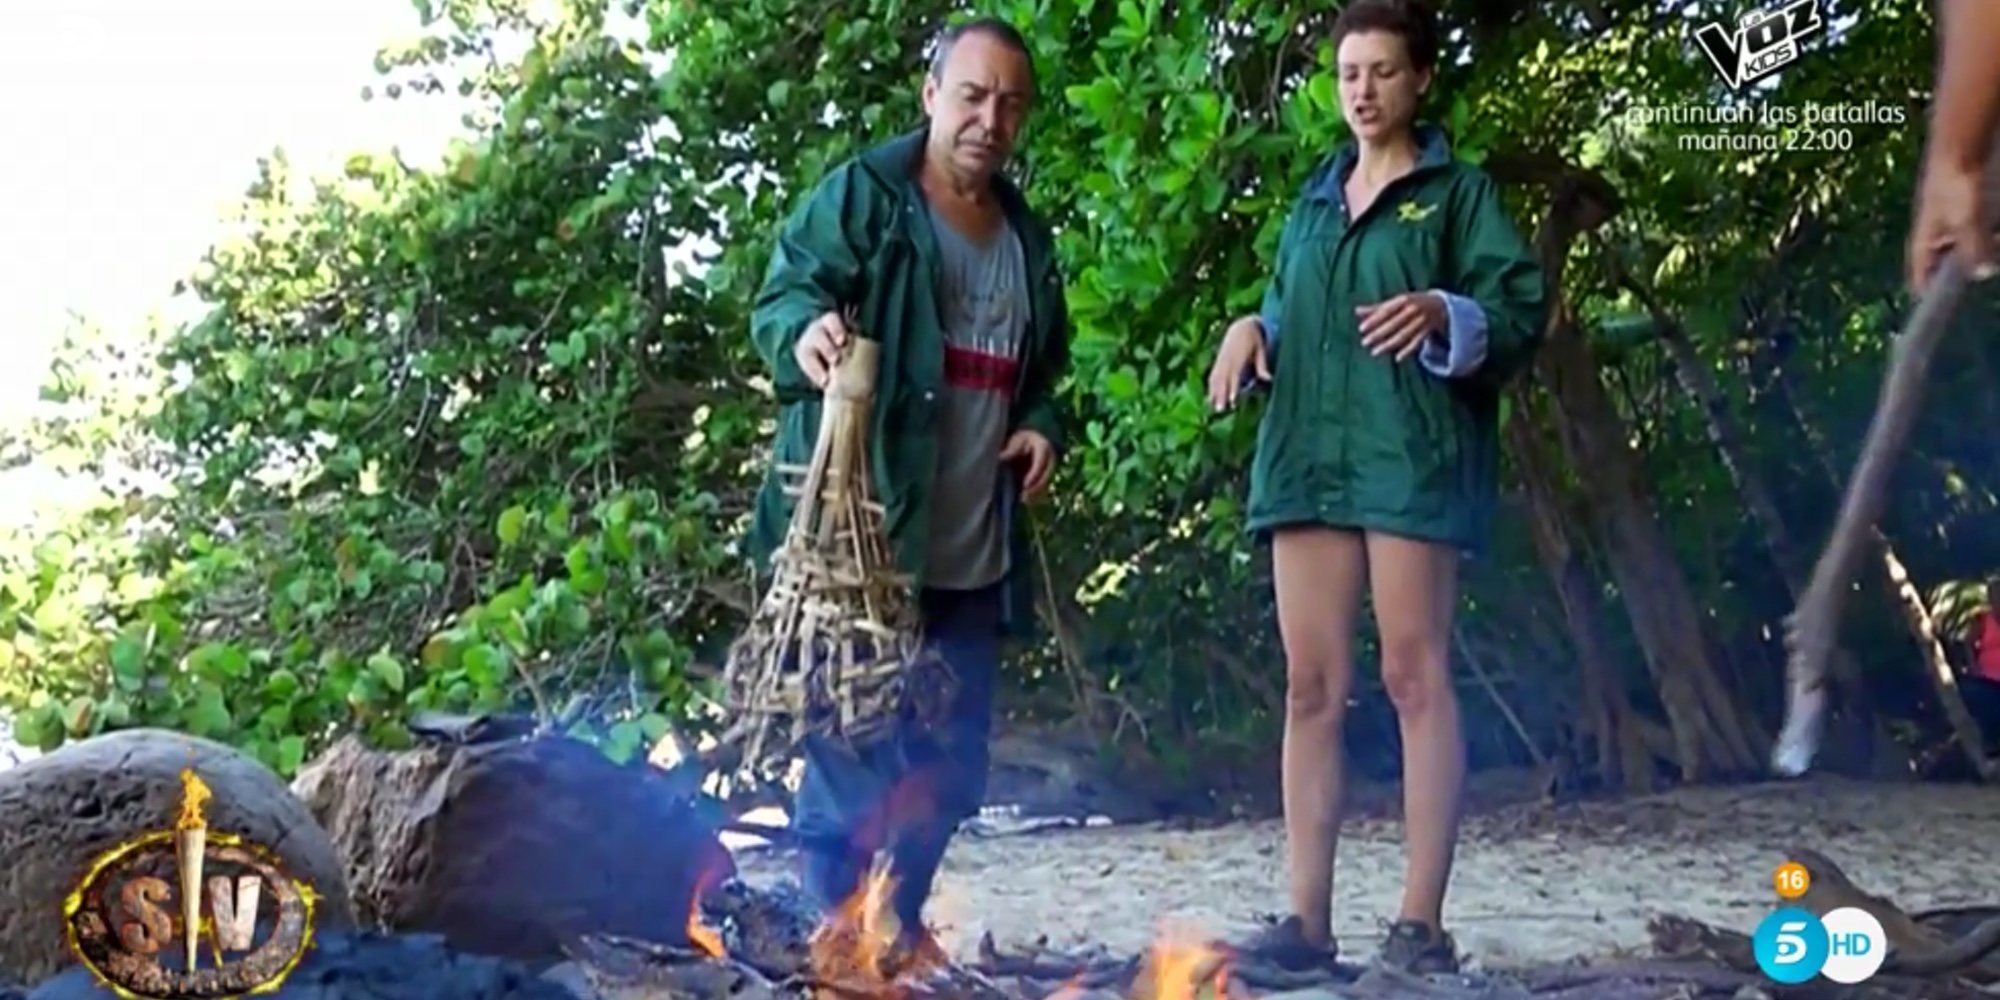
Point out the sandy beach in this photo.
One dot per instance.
(1534, 883)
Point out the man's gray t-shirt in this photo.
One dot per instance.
(983, 296)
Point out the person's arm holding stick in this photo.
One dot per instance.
(1950, 210)
(1950, 243)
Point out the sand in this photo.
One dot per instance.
(1534, 884)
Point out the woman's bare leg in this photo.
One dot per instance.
(1415, 589)
(1318, 574)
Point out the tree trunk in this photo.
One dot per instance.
(1711, 733)
(1729, 442)
(1910, 601)
(1622, 759)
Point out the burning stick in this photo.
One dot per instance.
(1812, 627)
(191, 841)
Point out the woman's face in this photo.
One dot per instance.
(1378, 88)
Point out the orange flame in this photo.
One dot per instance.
(194, 794)
(855, 949)
(1183, 966)
(701, 935)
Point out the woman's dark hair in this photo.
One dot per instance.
(1415, 22)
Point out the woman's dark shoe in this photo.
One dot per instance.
(1284, 945)
(1418, 948)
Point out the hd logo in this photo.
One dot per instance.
(1846, 946)
(1764, 42)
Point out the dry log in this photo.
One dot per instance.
(620, 968)
(450, 837)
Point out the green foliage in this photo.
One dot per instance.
(462, 437)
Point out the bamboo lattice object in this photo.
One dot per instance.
(835, 648)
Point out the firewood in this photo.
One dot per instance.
(835, 647)
(620, 968)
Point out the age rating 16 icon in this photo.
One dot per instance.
(1847, 945)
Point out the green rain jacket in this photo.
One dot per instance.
(1358, 441)
(863, 239)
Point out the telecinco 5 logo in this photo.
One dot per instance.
(1847, 945)
(123, 918)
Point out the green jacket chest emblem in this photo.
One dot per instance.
(1410, 211)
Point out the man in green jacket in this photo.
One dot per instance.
(942, 263)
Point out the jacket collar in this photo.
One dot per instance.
(895, 162)
(1433, 151)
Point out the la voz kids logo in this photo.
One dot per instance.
(1764, 42)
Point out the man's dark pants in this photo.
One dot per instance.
(908, 792)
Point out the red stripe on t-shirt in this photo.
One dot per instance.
(977, 370)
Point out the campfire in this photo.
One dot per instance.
(748, 943)
(861, 951)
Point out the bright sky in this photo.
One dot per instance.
(130, 124)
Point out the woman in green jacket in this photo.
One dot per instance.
(1402, 302)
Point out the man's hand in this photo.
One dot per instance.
(1242, 350)
(819, 347)
(1949, 217)
(1398, 326)
(1041, 456)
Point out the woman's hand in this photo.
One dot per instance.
(1399, 325)
(1242, 351)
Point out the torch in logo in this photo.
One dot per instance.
(191, 844)
(121, 917)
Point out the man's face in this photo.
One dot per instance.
(977, 105)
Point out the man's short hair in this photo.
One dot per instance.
(1412, 20)
(992, 27)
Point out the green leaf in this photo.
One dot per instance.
(209, 714)
(46, 726)
(1320, 91)
(281, 684)
(485, 666)
(557, 523)
(78, 715)
(128, 663)
(653, 726)
(386, 668)
(511, 521)
(291, 754)
(625, 739)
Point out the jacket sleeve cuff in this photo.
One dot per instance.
(1043, 419)
(1461, 349)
